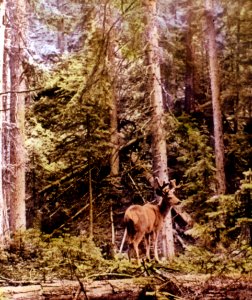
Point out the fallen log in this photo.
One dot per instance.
(178, 286)
(91, 290)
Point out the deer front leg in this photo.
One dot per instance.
(135, 245)
(155, 241)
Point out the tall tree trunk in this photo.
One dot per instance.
(6, 132)
(114, 135)
(189, 64)
(159, 152)
(16, 12)
(6, 128)
(215, 88)
(4, 224)
(237, 71)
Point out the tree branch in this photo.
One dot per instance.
(21, 92)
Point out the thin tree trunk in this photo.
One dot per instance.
(60, 32)
(114, 135)
(112, 225)
(189, 73)
(159, 153)
(237, 72)
(114, 158)
(90, 188)
(91, 213)
(215, 88)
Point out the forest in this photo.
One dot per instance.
(126, 149)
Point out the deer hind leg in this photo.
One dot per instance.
(137, 239)
(147, 245)
(129, 251)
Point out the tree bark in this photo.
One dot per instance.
(189, 64)
(90, 186)
(237, 71)
(16, 12)
(159, 152)
(4, 225)
(6, 128)
(114, 101)
(114, 134)
(115, 146)
(215, 88)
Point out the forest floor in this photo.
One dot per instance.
(162, 285)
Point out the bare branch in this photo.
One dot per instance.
(21, 92)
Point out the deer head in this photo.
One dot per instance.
(166, 191)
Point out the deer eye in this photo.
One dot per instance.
(166, 190)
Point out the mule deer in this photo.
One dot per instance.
(142, 221)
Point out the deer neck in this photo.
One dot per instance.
(164, 207)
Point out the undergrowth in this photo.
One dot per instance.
(234, 261)
(35, 256)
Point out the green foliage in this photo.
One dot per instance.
(229, 219)
(191, 156)
(238, 157)
(35, 256)
(68, 128)
(75, 103)
(225, 261)
(224, 239)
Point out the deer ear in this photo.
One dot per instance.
(159, 192)
(158, 182)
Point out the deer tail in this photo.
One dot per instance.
(130, 226)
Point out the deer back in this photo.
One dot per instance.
(154, 215)
(141, 218)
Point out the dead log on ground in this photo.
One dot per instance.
(91, 290)
(181, 286)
